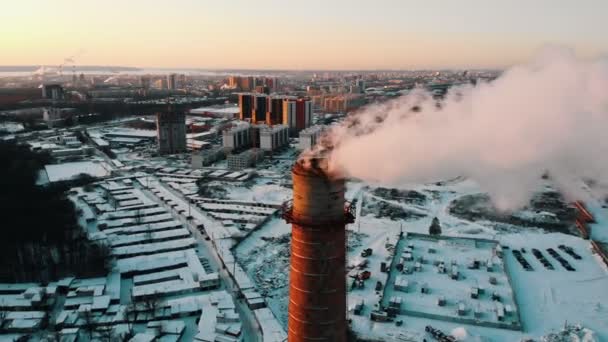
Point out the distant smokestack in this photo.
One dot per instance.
(317, 287)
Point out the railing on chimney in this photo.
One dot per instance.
(287, 214)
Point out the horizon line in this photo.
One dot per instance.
(67, 69)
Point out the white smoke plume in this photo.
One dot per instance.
(548, 115)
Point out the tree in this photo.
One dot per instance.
(138, 218)
(435, 228)
(89, 322)
(105, 333)
(131, 315)
(152, 303)
(23, 338)
(39, 244)
(148, 232)
(54, 336)
(2, 319)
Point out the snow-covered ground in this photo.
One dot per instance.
(11, 127)
(66, 171)
(454, 284)
(546, 299)
(149, 228)
(262, 264)
(266, 193)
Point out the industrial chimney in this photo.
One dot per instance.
(317, 283)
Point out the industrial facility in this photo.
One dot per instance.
(317, 287)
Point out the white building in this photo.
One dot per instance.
(244, 159)
(207, 157)
(237, 137)
(273, 137)
(70, 140)
(57, 117)
(309, 137)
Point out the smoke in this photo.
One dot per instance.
(72, 59)
(460, 333)
(110, 79)
(549, 115)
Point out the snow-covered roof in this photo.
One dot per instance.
(66, 171)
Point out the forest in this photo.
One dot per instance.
(41, 239)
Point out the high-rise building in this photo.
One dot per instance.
(233, 82)
(297, 114)
(303, 113)
(360, 84)
(245, 106)
(144, 82)
(340, 103)
(289, 115)
(160, 83)
(272, 83)
(309, 137)
(259, 108)
(181, 81)
(237, 138)
(274, 107)
(243, 83)
(172, 81)
(273, 137)
(246, 83)
(53, 91)
(171, 132)
(55, 117)
(262, 89)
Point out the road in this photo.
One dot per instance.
(205, 248)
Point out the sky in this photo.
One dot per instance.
(297, 35)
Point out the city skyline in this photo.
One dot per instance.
(310, 35)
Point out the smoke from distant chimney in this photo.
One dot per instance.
(550, 114)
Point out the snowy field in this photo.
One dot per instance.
(11, 127)
(170, 238)
(544, 299)
(266, 193)
(262, 264)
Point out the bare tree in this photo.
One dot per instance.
(105, 333)
(131, 315)
(152, 303)
(148, 233)
(123, 337)
(2, 319)
(89, 322)
(24, 338)
(54, 336)
(138, 216)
